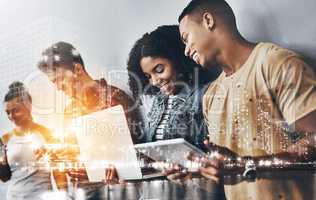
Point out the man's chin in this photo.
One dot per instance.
(208, 65)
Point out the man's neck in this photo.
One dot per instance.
(234, 55)
(85, 82)
(92, 96)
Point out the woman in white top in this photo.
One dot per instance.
(28, 180)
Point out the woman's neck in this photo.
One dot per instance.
(27, 127)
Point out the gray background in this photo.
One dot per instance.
(105, 30)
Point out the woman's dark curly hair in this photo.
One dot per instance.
(163, 42)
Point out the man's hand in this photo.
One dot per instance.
(177, 174)
(214, 166)
(111, 175)
(212, 170)
(78, 174)
(219, 152)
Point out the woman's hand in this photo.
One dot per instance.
(55, 152)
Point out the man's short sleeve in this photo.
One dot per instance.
(293, 85)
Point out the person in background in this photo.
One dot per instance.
(261, 109)
(65, 68)
(29, 179)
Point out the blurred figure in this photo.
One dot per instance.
(28, 179)
(63, 65)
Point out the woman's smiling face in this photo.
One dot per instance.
(160, 73)
(18, 111)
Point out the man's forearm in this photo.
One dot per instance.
(300, 156)
(284, 161)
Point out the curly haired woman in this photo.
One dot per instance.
(157, 66)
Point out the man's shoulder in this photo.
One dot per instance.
(273, 54)
(273, 60)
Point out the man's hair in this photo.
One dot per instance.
(218, 8)
(60, 54)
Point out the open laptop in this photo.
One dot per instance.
(104, 138)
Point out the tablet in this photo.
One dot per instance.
(171, 151)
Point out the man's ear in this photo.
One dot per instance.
(78, 69)
(208, 21)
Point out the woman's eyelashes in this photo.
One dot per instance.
(159, 68)
(12, 111)
(147, 76)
